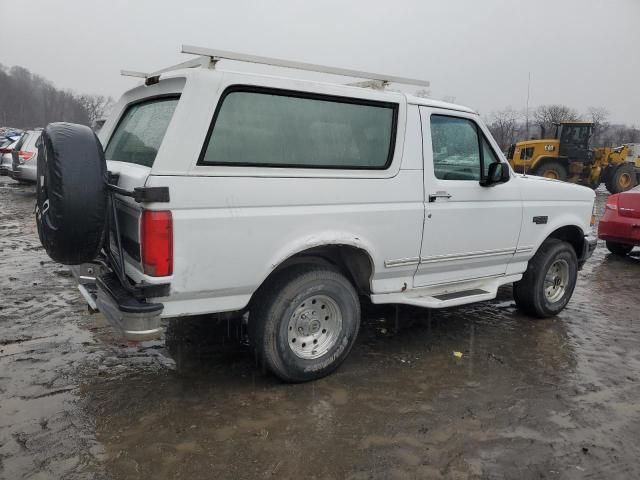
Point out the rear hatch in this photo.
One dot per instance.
(130, 152)
(629, 203)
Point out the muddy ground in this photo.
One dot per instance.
(556, 398)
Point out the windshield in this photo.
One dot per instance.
(139, 133)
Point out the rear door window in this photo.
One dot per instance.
(139, 134)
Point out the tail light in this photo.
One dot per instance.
(612, 202)
(156, 243)
(25, 156)
(5, 150)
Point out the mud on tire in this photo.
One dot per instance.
(294, 313)
(554, 266)
(71, 199)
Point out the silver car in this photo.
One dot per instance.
(25, 157)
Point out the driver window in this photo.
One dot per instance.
(456, 154)
(488, 156)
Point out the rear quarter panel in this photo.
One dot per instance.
(235, 225)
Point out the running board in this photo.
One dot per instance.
(451, 295)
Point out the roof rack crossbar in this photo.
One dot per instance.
(216, 55)
(193, 63)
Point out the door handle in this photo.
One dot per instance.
(440, 194)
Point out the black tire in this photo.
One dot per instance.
(71, 199)
(552, 169)
(278, 302)
(621, 179)
(621, 249)
(529, 293)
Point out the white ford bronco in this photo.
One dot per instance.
(212, 190)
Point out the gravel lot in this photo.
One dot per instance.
(554, 398)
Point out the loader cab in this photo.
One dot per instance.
(575, 139)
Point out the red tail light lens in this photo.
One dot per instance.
(25, 156)
(5, 150)
(156, 243)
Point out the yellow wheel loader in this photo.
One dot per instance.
(567, 156)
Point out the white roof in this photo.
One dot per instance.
(428, 102)
(207, 59)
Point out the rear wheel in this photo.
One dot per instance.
(619, 248)
(623, 178)
(553, 170)
(305, 322)
(547, 285)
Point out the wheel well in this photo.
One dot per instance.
(571, 234)
(355, 263)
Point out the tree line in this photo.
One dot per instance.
(509, 126)
(28, 100)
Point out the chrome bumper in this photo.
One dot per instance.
(133, 318)
(590, 244)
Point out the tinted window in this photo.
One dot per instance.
(456, 153)
(270, 128)
(22, 141)
(139, 134)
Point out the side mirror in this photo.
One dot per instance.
(498, 173)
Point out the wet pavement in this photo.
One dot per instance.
(555, 398)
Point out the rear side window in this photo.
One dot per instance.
(140, 131)
(22, 141)
(274, 128)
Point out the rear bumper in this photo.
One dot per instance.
(619, 229)
(590, 243)
(24, 173)
(133, 318)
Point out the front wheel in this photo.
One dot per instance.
(553, 170)
(547, 285)
(619, 248)
(305, 322)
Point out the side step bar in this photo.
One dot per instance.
(443, 296)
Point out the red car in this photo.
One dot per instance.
(620, 224)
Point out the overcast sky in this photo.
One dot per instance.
(580, 52)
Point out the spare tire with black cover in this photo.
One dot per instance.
(71, 201)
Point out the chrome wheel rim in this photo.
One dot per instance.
(556, 281)
(314, 327)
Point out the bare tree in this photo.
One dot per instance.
(546, 116)
(96, 106)
(599, 116)
(504, 126)
(28, 100)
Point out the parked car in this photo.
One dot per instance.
(619, 227)
(288, 200)
(25, 157)
(6, 160)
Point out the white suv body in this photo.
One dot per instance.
(406, 215)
